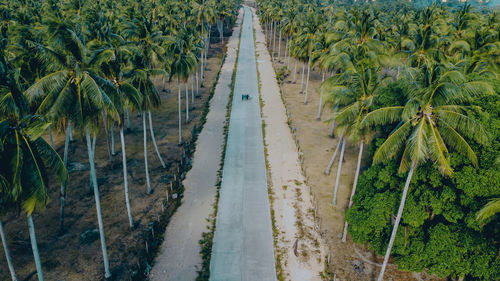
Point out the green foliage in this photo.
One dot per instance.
(438, 230)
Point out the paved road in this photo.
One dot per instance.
(243, 243)
(180, 258)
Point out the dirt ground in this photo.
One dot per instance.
(64, 257)
(347, 261)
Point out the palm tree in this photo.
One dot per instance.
(72, 92)
(308, 37)
(353, 91)
(431, 120)
(25, 157)
(112, 59)
(141, 28)
(140, 77)
(182, 63)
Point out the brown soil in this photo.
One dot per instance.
(130, 251)
(317, 148)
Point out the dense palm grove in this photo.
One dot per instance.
(415, 86)
(77, 67)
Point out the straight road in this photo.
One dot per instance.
(243, 242)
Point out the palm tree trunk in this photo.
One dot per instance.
(91, 185)
(339, 170)
(70, 130)
(125, 180)
(354, 185)
(396, 223)
(63, 186)
(113, 146)
(220, 27)
(330, 164)
(197, 85)
(179, 105)
(206, 51)
(34, 247)
(148, 184)
(289, 53)
(320, 100)
(279, 46)
(7, 253)
(128, 118)
(107, 272)
(307, 80)
(271, 38)
(302, 79)
(187, 102)
(208, 48)
(50, 136)
(108, 144)
(286, 51)
(274, 39)
(202, 67)
(192, 92)
(295, 73)
(332, 129)
(154, 140)
(163, 83)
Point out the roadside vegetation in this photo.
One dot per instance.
(78, 68)
(415, 87)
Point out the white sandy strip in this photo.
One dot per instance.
(180, 258)
(292, 200)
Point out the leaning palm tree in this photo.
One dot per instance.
(354, 91)
(432, 120)
(72, 92)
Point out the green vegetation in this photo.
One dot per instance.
(416, 84)
(80, 66)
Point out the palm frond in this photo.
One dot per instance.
(383, 116)
(455, 140)
(489, 210)
(392, 144)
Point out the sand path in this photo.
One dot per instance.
(179, 259)
(243, 242)
(301, 247)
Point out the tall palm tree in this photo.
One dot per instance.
(140, 77)
(432, 120)
(72, 92)
(308, 37)
(25, 157)
(142, 29)
(354, 91)
(182, 63)
(113, 59)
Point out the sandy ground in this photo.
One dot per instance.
(64, 257)
(302, 250)
(179, 258)
(243, 239)
(346, 261)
